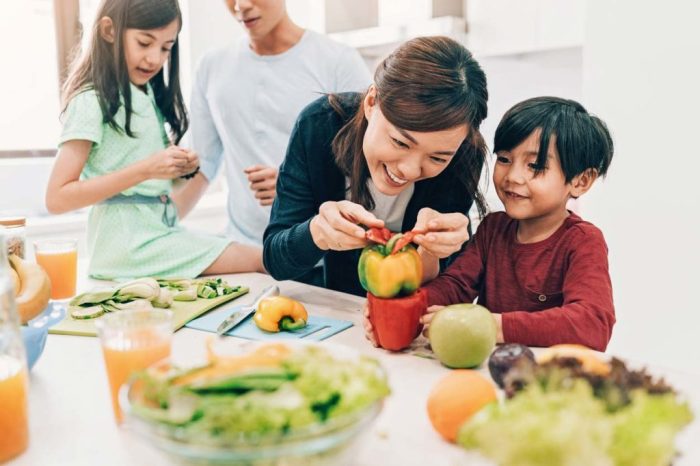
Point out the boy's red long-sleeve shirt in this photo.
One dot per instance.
(554, 291)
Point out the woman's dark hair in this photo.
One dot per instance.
(427, 84)
(103, 66)
(582, 140)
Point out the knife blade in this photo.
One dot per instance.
(241, 312)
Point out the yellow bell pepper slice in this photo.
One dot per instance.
(280, 313)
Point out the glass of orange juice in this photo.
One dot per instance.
(14, 426)
(132, 341)
(13, 407)
(59, 257)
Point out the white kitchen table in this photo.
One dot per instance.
(71, 420)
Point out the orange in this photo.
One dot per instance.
(456, 398)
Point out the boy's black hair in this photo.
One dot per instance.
(582, 140)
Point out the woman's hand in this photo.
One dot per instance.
(369, 331)
(445, 233)
(337, 226)
(172, 162)
(428, 317)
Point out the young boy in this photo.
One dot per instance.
(539, 268)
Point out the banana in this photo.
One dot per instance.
(17, 286)
(34, 291)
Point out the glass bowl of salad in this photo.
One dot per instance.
(262, 404)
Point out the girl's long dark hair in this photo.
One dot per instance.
(427, 84)
(102, 66)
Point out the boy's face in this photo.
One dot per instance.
(527, 196)
(258, 17)
(146, 51)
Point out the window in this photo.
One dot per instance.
(29, 83)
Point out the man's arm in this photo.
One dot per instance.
(205, 141)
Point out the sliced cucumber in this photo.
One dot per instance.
(83, 313)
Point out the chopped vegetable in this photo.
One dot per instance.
(274, 389)
(189, 294)
(378, 235)
(164, 298)
(280, 313)
(145, 293)
(387, 273)
(91, 312)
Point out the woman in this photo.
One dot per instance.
(406, 154)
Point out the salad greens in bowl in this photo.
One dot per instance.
(576, 408)
(275, 403)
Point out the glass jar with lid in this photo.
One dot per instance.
(14, 231)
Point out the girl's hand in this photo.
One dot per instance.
(428, 317)
(337, 226)
(445, 233)
(172, 162)
(369, 331)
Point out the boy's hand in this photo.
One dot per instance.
(263, 182)
(170, 163)
(425, 320)
(446, 233)
(428, 317)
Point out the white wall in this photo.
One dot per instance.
(513, 78)
(641, 75)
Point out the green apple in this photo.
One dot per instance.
(462, 335)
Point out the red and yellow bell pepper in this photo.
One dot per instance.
(390, 269)
(280, 313)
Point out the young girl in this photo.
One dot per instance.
(116, 156)
(539, 268)
(405, 154)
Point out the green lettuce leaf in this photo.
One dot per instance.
(645, 430)
(569, 426)
(538, 428)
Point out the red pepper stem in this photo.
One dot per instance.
(288, 323)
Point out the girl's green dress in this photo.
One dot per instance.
(128, 240)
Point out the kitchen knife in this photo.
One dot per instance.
(240, 312)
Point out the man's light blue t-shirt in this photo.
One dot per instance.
(244, 106)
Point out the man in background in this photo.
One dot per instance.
(245, 100)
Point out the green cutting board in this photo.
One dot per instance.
(183, 311)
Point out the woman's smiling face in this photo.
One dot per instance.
(396, 157)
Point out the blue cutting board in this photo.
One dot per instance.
(314, 330)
